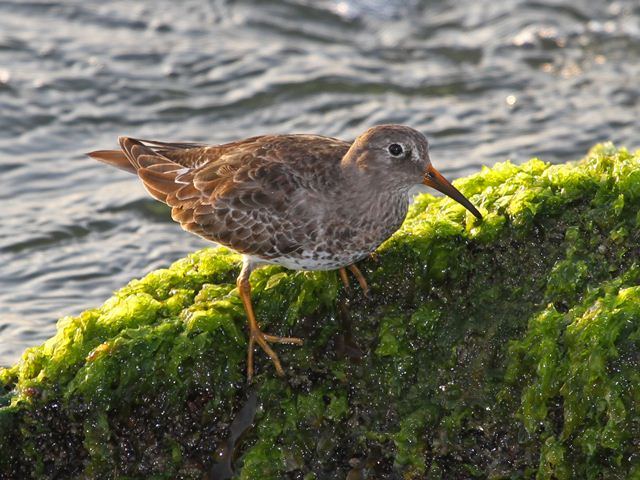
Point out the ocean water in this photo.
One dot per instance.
(486, 81)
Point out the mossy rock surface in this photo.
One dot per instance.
(503, 348)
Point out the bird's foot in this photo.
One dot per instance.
(263, 339)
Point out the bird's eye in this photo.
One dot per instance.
(395, 149)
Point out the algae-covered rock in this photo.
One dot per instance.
(502, 348)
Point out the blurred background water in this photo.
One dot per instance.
(485, 80)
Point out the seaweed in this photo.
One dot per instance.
(501, 348)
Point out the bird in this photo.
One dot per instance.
(302, 201)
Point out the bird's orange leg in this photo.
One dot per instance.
(255, 334)
(344, 278)
(360, 278)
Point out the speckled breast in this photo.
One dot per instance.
(348, 234)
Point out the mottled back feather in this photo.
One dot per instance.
(245, 194)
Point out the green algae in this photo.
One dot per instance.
(506, 348)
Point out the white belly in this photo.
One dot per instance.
(317, 261)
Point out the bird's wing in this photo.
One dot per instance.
(244, 194)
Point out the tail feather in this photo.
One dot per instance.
(116, 158)
(158, 173)
(163, 182)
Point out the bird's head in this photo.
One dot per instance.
(400, 155)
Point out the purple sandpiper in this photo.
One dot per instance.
(306, 202)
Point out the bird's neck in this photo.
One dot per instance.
(369, 196)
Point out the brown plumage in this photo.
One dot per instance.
(302, 201)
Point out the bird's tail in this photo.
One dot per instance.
(116, 158)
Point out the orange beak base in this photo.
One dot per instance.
(434, 179)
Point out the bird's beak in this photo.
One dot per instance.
(434, 179)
